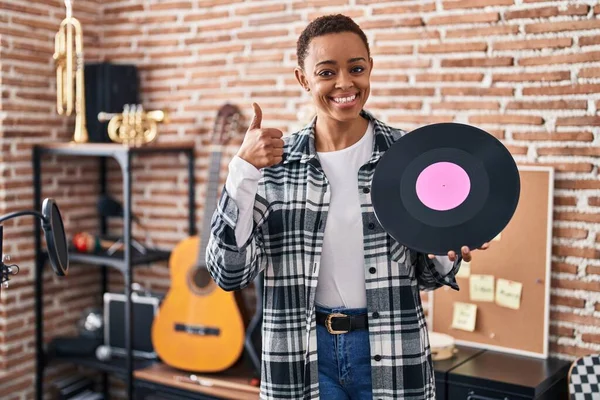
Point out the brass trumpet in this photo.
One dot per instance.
(134, 126)
(64, 55)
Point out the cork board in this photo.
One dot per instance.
(522, 254)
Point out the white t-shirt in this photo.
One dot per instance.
(342, 272)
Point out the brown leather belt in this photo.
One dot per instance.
(337, 323)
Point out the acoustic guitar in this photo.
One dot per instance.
(199, 327)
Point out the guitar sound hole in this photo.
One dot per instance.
(201, 281)
(202, 278)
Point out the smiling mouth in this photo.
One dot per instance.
(344, 100)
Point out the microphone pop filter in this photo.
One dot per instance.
(56, 239)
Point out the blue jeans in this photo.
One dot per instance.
(344, 361)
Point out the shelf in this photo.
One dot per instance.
(110, 149)
(115, 366)
(123, 156)
(117, 259)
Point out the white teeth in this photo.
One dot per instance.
(344, 99)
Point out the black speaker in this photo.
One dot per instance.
(108, 87)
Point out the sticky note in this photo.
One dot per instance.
(464, 316)
(482, 287)
(508, 293)
(465, 269)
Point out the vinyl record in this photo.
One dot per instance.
(444, 186)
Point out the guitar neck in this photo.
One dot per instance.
(210, 204)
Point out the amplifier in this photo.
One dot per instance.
(145, 307)
(108, 87)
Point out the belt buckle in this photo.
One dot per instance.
(328, 323)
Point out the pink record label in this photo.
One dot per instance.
(443, 186)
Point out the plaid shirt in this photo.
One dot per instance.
(290, 213)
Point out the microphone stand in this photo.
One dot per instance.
(7, 270)
(4, 271)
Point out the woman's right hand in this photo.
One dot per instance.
(262, 147)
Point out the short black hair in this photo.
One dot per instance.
(324, 25)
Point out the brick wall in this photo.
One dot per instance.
(28, 113)
(526, 70)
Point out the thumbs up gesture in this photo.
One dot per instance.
(262, 147)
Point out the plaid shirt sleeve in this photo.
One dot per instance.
(233, 267)
(429, 277)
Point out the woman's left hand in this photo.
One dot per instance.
(466, 253)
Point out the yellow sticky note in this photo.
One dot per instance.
(465, 269)
(464, 316)
(482, 287)
(508, 293)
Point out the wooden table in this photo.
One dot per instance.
(470, 374)
(160, 381)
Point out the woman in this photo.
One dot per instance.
(342, 312)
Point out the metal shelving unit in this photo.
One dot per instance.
(123, 261)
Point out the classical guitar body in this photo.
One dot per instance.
(199, 326)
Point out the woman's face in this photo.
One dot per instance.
(337, 72)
